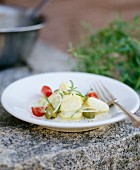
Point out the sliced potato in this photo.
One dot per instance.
(52, 97)
(70, 115)
(97, 104)
(55, 99)
(71, 103)
(43, 102)
(64, 86)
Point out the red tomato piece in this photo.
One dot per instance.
(38, 111)
(46, 90)
(93, 94)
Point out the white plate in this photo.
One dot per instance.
(18, 98)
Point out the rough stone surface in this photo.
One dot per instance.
(48, 59)
(25, 146)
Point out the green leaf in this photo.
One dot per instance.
(112, 51)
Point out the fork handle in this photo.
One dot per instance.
(134, 118)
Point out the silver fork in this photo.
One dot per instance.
(106, 96)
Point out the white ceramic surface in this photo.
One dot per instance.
(18, 98)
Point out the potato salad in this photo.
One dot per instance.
(69, 103)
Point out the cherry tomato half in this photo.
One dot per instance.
(46, 90)
(38, 111)
(93, 94)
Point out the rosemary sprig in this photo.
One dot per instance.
(80, 94)
(72, 87)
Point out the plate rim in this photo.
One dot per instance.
(69, 125)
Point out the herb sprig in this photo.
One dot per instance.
(113, 51)
(73, 89)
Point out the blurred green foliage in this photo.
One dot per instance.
(113, 51)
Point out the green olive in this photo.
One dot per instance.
(50, 113)
(89, 115)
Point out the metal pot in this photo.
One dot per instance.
(16, 42)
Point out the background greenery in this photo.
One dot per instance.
(113, 51)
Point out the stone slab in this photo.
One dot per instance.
(25, 146)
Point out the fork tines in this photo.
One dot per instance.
(102, 91)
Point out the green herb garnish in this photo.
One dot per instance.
(75, 113)
(80, 94)
(72, 87)
(49, 102)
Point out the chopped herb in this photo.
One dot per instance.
(72, 88)
(74, 113)
(61, 95)
(65, 92)
(72, 84)
(49, 101)
(80, 94)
